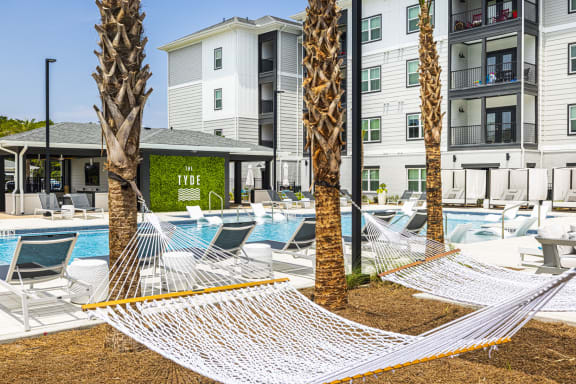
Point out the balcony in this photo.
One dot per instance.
(469, 14)
(266, 65)
(497, 74)
(267, 143)
(266, 106)
(491, 134)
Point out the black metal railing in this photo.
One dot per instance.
(531, 11)
(466, 78)
(530, 73)
(266, 106)
(266, 65)
(266, 143)
(466, 20)
(501, 73)
(491, 134)
(530, 133)
(500, 12)
(35, 184)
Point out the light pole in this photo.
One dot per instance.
(275, 137)
(356, 133)
(47, 151)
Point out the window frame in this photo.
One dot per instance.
(369, 181)
(216, 68)
(369, 18)
(94, 166)
(221, 99)
(369, 119)
(420, 125)
(570, 9)
(419, 180)
(433, 16)
(570, 133)
(408, 74)
(219, 130)
(370, 80)
(570, 58)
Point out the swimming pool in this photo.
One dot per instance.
(94, 243)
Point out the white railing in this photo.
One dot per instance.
(504, 217)
(7, 233)
(221, 202)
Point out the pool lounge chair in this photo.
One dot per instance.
(458, 235)
(522, 229)
(417, 222)
(49, 205)
(276, 200)
(510, 212)
(308, 195)
(302, 240)
(289, 195)
(406, 196)
(509, 196)
(81, 204)
(261, 213)
(454, 196)
(196, 214)
(40, 259)
(569, 200)
(231, 237)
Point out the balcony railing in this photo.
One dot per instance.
(266, 106)
(531, 11)
(266, 65)
(491, 134)
(530, 73)
(495, 74)
(267, 143)
(500, 12)
(467, 20)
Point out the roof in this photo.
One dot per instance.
(228, 23)
(88, 136)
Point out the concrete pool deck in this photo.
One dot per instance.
(65, 316)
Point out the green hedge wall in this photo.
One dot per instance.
(165, 182)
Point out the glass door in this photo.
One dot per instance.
(500, 125)
(501, 66)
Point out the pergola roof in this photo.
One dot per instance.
(89, 136)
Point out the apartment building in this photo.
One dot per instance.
(223, 80)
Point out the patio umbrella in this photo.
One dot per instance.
(250, 178)
(285, 181)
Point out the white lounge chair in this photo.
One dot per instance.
(522, 229)
(510, 212)
(454, 196)
(458, 235)
(40, 259)
(196, 214)
(261, 213)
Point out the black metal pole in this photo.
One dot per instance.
(47, 150)
(275, 140)
(356, 133)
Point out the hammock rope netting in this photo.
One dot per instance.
(435, 268)
(202, 308)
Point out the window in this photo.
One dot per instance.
(218, 99)
(92, 174)
(372, 29)
(218, 132)
(571, 6)
(371, 130)
(412, 75)
(217, 58)
(414, 126)
(370, 179)
(572, 58)
(371, 80)
(417, 179)
(572, 119)
(413, 13)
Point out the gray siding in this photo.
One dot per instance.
(185, 65)
(228, 127)
(248, 130)
(185, 107)
(289, 120)
(289, 52)
(556, 13)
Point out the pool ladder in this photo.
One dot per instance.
(7, 233)
(221, 202)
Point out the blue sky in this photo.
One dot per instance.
(32, 30)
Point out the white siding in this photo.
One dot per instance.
(185, 65)
(248, 130)
(185, 107)
(228, 127)
(289, 52)
(289, 132)
(247, 72)
(556, 13)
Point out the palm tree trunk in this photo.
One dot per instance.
(431, 99)
(121, 79)
(324, 121)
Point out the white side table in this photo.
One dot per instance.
(67, 211)
(180, 271)
(93, 272)
(259, 265)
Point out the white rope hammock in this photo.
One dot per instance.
(187, 301)
(427, 266)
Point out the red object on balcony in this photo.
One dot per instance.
(514, 14)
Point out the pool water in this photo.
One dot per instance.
(93, 243)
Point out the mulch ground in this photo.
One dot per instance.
(540, 353)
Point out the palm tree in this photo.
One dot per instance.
(121, 80)
(431, 99)
(323, 121)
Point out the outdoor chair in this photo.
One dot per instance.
(416, 223)
(261, 213)
(230, 238)
(49, 205)
(406, 196)
(522, 228)
(40, 259)
(289, 195)
(196, 214)
(458, 235)
(81, 204)
(308, 195)
(559, 255)
(302, 240)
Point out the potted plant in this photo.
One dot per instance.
(382, 194)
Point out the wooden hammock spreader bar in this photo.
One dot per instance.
(174, 295)
(416, 263)
(423, 360)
